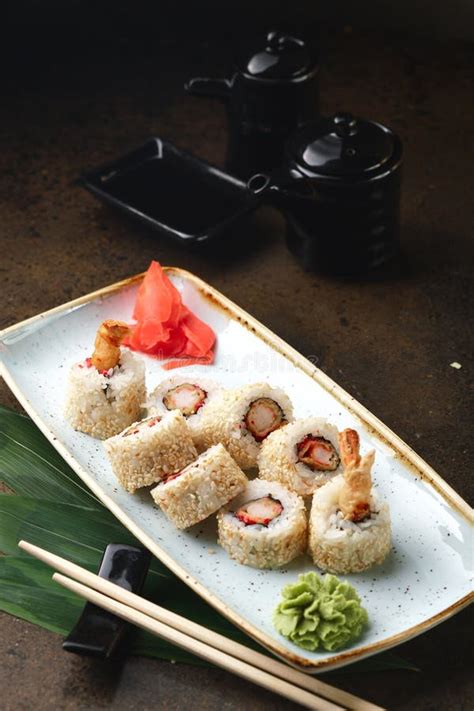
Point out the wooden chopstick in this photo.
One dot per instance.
(210, 654)
(202, 634)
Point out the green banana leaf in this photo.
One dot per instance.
(30, 466)
(49, 506)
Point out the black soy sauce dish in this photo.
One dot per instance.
(98, 632)
(272, 90)
(172, 191)
(339, 189)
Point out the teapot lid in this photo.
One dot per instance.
(282, 57)
(342, 146)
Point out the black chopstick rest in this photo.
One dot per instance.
(98, 632)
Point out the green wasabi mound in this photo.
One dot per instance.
(320, 612)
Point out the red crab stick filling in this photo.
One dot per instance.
(185, 397)
(151, 422)
(171, 477)
(260, 511)
(317, 453)
(263, 416)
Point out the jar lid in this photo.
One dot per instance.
(282, 57)
(342, 146)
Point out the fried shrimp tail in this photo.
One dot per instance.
(354, 499)
(107, 344)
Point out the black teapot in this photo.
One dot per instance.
(273, 90)
(339, 189)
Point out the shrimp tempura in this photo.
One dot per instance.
(107, 344)
(354, 499)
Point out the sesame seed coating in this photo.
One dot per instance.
(201, 489)
(152, 452)
(100, 405)
(260, 546)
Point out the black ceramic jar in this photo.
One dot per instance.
(272, 91)
(339, 189)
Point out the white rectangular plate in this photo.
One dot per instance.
(425, 578)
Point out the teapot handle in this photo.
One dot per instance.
(217, 88)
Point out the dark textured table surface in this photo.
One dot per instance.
(388, 339)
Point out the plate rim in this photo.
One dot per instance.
(375, 427)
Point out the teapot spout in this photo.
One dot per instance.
(215, 88)
(281, 190)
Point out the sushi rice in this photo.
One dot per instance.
(156, 401)
(103, 404)
(201, 488)
(259, 545)
(224, 420)
(151, 449)
(278, 458)
(342, 546)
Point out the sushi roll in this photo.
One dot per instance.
(302, 456)
(192, 395)
(265, 526)
(151, 449)
(105, 392)
(243, 418)
(349, 529)
(201, 488)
